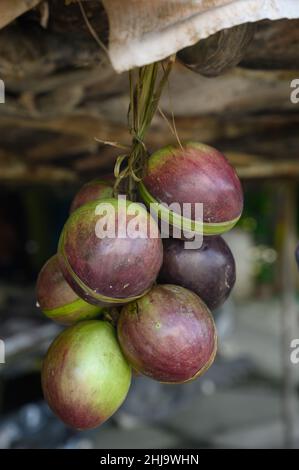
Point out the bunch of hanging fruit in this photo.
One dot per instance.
(141, 304)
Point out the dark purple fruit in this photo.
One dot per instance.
(196, 174)
(168, 335)
(85, 377)
(107, 269)
(209, 271)
(297, 255)
(96, 189)
(57, 299)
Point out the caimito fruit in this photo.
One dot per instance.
(209, 271)
(57, 299)
(104, 259)
(92, 191)
(168, 335)
(85, 377)
(190, 175)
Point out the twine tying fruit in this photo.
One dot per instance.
(145, 92)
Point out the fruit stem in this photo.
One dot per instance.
(145, 91)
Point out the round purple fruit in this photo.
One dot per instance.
(110, 251)
(209, 271)
(96, 189)
(189, 176)
(297, 255)
(168, 335)
(57, 299)
(85, 377)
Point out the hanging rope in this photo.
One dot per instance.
(146, 86)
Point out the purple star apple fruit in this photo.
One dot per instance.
(57, 299)
(168, 335)
(190, 175)
(110, 251)
(209, 271)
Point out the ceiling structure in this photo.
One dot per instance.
(62, 92)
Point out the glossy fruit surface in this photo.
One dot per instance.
(85, 377)
(168, 335)
(108, 268)
(209, 271)
(196, 174)
(57, 299)
(91, 191)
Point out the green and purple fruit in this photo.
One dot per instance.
(107, 252)
(85, 377)
(57, 299)
(195, 174)
(168, 335)
(96, 189)
(209, 271)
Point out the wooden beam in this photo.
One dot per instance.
(15, 169)
(264, 170)
(29, 54)
(50, 150)
(251, 131)
(275, 46)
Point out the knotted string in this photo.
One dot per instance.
(145, 92)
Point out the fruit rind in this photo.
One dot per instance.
(57, 300)
(66, 312)
(194, 174)
(180, 222)
(85, 376)
(209, 271)
(70, 275)
(101, 190)
(183, 346)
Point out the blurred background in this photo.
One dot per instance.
(61, 94)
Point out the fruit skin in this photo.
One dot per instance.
(168, 335)
(209, 271)
(57, 299)
(85, 377)
(196, 174)
(297, 255)
(91, 191)
(109, 271)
